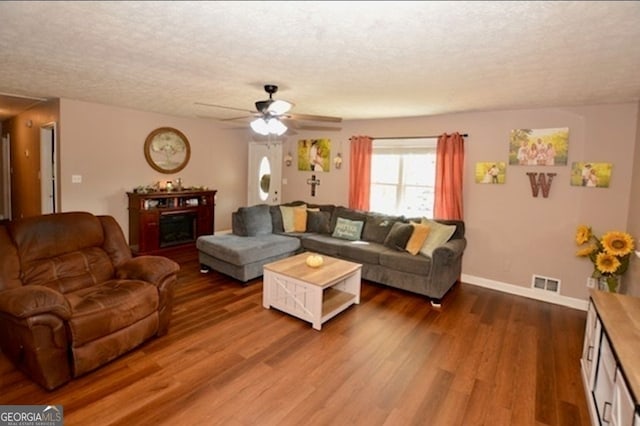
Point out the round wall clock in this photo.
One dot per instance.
(167, 150)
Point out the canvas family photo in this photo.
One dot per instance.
(539, 147)
(491, 172)
(594, 175)
(314, 155)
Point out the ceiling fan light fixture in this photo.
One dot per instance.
(260, 126)
(276, 127)
(279, 107)
(271, 126)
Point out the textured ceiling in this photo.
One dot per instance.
(354, 60)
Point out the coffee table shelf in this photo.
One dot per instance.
(312, 294)
(335, 301)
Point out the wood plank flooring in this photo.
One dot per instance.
(484, 358)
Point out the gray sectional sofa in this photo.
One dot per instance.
(262, 234)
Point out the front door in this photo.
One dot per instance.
(265, 173)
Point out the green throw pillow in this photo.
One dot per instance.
(348, 229)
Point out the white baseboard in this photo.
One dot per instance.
(530, 293)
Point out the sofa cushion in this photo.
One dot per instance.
(288, 218)
(276, 219)
(405, 262)
(348, 229)
(256, 220)
(438, 235)
(244, 250)
(418, 237)
(398, 236)
(329, 208)
(299, 219)
(318, 221)
(324, 244)
(102, 309)
(361, 252)
(70, 271)
(377, 227)
(237, 225)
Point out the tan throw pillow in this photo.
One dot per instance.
(438, 235)
(418, 237)
(288, 220)
(299, 219)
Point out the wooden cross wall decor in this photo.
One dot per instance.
(313, 182)
(540, 183)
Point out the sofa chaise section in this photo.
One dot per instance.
(242, 257)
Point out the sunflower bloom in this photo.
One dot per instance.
(607, 263)
(617, 243)
(583, 234)
(586, 251)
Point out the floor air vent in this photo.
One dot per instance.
(545, 283)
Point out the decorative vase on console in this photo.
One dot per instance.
(609, 254)
(609, 283)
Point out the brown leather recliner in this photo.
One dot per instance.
(73, 298)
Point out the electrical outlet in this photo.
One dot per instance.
(592, 282)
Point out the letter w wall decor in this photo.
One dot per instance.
(540, 183)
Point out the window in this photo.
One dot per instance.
(403, 174)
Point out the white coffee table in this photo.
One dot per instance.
(314, 295)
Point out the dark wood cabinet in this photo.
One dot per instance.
(159, 221)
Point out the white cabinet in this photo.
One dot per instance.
(622, 406)
(605, 374)
(592, 335)
(607, 389)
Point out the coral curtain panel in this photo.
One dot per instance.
(360, 172)
(449, 170)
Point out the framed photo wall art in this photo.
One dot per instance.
(314, 155)
(539, 147)
(493, 172)
(591, 175)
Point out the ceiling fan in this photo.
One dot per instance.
(271, 113)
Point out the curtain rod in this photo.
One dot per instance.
(464, 135)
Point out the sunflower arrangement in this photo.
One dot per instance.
(609, 254)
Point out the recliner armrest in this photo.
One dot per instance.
(30, 300)
(152, 269)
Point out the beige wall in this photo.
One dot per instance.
(104, 145)
(511, 234)
(632, 278)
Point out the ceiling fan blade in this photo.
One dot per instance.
(244, 117)
(223, 107)
(309, 117)
(320, 128)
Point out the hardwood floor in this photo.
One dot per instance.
(484, 358)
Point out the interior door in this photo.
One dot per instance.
(265, 173)
(48, 169)
(5, 212)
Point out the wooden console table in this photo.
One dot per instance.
(610, 362)
(159, 221)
